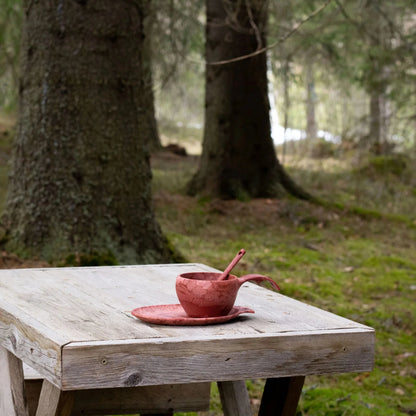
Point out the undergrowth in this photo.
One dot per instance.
(353, 256)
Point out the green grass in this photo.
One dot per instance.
(357, 262)
(354, 256)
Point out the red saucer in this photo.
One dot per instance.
(175, 315)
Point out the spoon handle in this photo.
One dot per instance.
(236, 259)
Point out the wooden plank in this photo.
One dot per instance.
(85, 314)
(30, 373)
(33, 388)
(12, 396)
(161, 399)
(95, 304)
(147, 399)
(108, 294)
(157, 414)
(281, 396)
(193, 397)
(30, 341)
(234, 398)
(133, 363)
(77, 304)
(54, 402)
(61, 302)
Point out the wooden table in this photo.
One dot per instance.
(74, 327)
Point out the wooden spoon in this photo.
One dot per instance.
(237, 258)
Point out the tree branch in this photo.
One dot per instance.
(361, 27)
(394, 28)
(274, 44)
(253, 24)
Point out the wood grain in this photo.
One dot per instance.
(148, 399)
(163, 399)
(54, 402)
(281, 396)
(74, 326)
(177, 361)
(12, 398)
(234, 398)
(30, 341)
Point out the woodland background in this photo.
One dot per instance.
(342, 88)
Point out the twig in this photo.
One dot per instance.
(394, 28)
(253, 25)
(274, 44)
(361, 27)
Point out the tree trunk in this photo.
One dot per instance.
(238, 158)
(375, 121)
(81, 178)
(286, 103)
(153, 138)
(378, 122)
(311, 125)
(377, 80)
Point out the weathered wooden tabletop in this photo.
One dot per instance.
(74, 326)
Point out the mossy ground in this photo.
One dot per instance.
(358, 262)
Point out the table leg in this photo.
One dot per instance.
(12, 393)
(234, 398)
(281, 396)
(54, 402)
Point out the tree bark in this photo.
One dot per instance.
(378, 121)
(153, 139)
(81, 178)
(377, 80)
(311, 125)
(286, 103)
(238, 158)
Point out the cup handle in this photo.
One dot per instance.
(258, 278)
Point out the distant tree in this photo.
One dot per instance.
(374, 44)
(153, 139)
(80, 180)
(10, 22)
(311, 124)
(177, 44)
(238, 158)
(376, 75)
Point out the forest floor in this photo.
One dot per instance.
(355, 257)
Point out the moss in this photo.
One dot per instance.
(339, 402)
(388, 262)
(364, 213)
(90, 259)
(323, 149)
(396, 164)
(174, 253)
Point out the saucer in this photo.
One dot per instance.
(175, 315)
